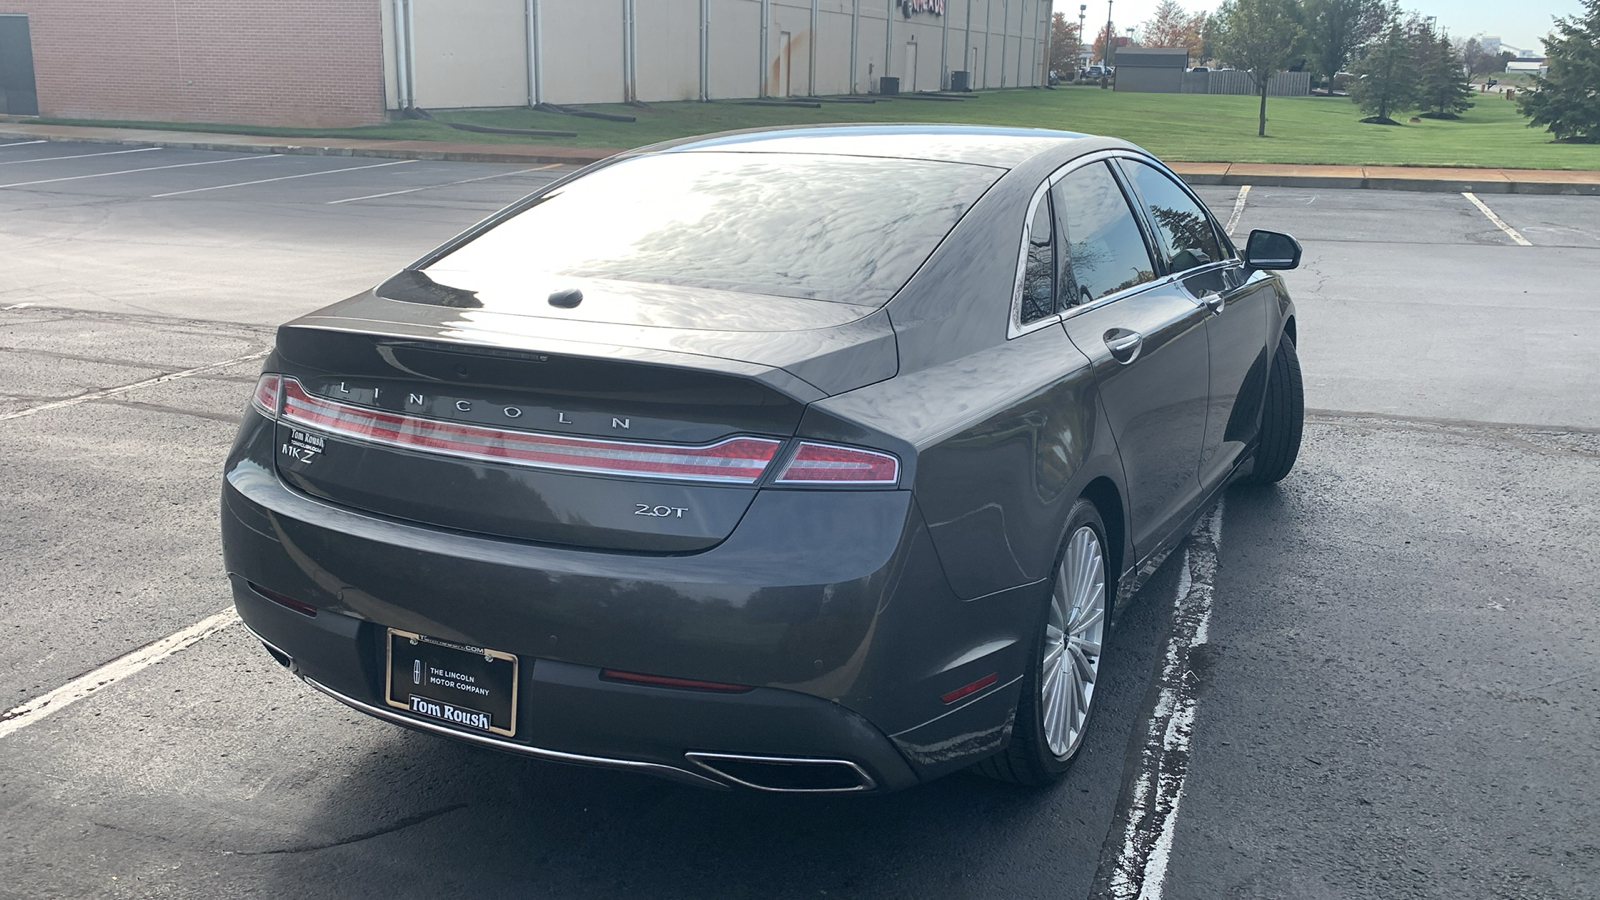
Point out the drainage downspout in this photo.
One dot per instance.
(966, 50)
(402, 73)
(988, 29)
(530, 12)
(1005, 39)
(1043, 77)
(944, 51)
(811, 70)
(705, 50)
(630, 52)
(855, 31)
(888, 41)
(766, 22)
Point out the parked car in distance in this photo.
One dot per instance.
(810, 460)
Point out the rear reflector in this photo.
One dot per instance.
(284, 600)
(738, 460)
(828, 464)
(972, 688)
(668, 681)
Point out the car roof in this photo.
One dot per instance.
(973, 144)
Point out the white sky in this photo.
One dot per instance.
(1518, 24)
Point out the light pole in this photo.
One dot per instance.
(1105, 58)
(1082, 8)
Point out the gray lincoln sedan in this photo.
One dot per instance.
(812, 459)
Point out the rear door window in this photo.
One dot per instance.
(1187, 234)
(1105, 250)
(1039, 272)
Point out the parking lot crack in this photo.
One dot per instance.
(401, 825)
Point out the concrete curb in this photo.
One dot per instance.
(578, 156)
(1480, 181)
(1497, 181)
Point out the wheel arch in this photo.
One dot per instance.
(1107, 500)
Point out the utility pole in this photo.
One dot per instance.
(1105, 58)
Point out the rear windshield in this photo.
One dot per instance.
(835, 228)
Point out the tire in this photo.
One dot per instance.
(1282, 418)
(1057, 702)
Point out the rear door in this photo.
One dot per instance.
(1147, 341)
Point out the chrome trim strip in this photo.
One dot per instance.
(866, 784)
(348, 419)
(658, 769)
(1015, 328)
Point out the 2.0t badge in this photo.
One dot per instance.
(660, 512)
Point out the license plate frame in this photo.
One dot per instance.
(469, 689)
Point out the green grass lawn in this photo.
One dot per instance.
(1175, 127)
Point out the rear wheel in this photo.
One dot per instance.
(1282, 417)
(1058, 691)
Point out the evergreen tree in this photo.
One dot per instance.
(1567, 101)
(1443, 89)
(1387, 77)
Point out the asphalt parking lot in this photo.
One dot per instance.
(1397, 696)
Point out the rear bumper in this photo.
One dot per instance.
(831, 605)
(569, 714)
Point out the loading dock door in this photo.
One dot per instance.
(18, 97)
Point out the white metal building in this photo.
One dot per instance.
(477, 53)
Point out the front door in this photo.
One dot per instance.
(911, 66)
(1240, 312)
(18, 96)
(1147, 342)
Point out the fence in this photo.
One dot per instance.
(1283, 84)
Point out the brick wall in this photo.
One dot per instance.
(270, 62)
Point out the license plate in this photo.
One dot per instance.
(470, 688)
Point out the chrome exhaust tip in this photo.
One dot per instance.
(786, 774)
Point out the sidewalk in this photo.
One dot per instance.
(1392, 178)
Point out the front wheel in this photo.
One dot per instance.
(1282, 418)
(1058, 691)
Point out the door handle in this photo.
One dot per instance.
(1214, 302)
(1124, 344)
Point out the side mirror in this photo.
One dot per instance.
(1271, 250)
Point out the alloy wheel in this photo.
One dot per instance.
(1072, 639)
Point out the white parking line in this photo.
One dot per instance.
(219, 187)
(20, 717)
(1238, 210)
(1498, 222)
(209, 162)
(123, 389)
(1141, 866)
(446, 184)
(18, 162)
(22, 143)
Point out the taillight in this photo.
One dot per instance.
(739, 460)
(268, 390)
(819, 464)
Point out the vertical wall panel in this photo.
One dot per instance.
(582, 51)
(669, 50)
(735, 48)
(469, 53)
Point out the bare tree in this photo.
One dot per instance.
(1263, 37)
